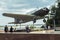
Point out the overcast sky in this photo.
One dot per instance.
(21, 7)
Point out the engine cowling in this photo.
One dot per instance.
(41, 12)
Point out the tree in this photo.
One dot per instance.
(55, 10)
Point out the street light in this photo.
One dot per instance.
(54, 21)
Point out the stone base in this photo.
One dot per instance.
(28, 36)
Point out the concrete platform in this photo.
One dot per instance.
(55, 35)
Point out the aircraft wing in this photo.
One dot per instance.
(23, 17)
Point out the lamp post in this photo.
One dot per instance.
(54, 21)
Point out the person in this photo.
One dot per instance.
(11, 29)
(27, 29)
(51, 26)
(6, 29)
(46, 27)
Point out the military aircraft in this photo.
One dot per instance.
(22, 18)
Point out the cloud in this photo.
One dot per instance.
(21, 11)
(3, 5)
(18, 5)
(4, 20)
(44, 1)
(14, 5)
(2, 2)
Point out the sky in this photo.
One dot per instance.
(21, 7)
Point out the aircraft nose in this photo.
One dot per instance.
(3, 14)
